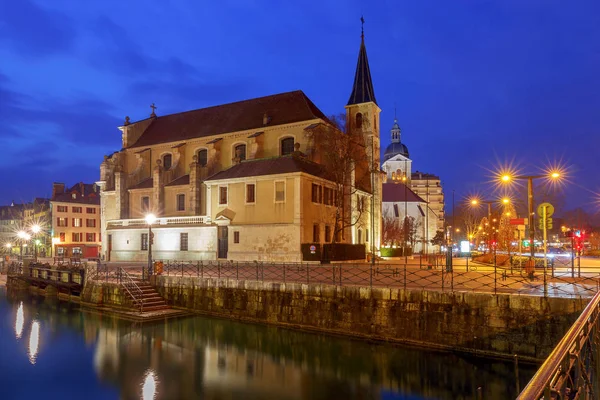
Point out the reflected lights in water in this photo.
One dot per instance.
(20, 321)
(149, 386)
(34, 341)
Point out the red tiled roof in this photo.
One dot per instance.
(271, 166)
(399, 192)
(85, 193)
(283, 108)
(182, 180)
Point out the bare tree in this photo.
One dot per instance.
(391, 231)
(343, 153)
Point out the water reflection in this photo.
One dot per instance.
(149, 386)
(34, 341)
(19, 321)
(214, 359)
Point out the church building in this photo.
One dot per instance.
(414, 194)
(241, 181)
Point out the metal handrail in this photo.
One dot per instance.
(132, 288)
(555, 378)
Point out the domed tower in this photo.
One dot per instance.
(396, 160)
(362, 117)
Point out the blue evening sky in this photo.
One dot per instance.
(475, 83)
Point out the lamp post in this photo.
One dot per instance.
(24, 236)
(476, 202)
(507, 178)
(150, 219)
(35, 229)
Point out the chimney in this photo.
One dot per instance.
(266, 119)
(57, 188)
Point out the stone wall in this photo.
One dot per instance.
(98, 294)
(499, 325)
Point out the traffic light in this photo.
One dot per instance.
(548, 223)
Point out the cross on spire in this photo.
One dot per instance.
(153, 107)
(362, 27)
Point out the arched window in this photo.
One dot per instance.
(167, 161)
(359, 120)
(287, 146)
(202, 157)
(240, 151)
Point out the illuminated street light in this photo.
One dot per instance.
(553, 175)
(150, 219)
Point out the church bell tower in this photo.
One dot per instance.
(362, 117)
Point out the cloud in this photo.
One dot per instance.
(34, 31)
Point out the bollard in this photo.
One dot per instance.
(517, 373)
(495, 276)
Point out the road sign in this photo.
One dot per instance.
(519, 221)
(549, 209)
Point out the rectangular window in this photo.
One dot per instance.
(396, 212)
(250, 193)
(145, 203)
(183, 242)
(77, 222)
(359, 203)
(327, 234)
(320, 194)
(181, 202)
(61, 208)
(90, 237)
(90, 210)
(236, 236)
(315, 193)
(62, 237)
(62, 221)
(316, 231)
(76, 237)
(144, 240)
(76, 209)
(222, 194)
(326, 196)
(279, 191)
(90, 223)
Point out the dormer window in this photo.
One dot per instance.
(287, 146)
(167, 161)
(203, 157)
(240, 151)
(74, 196)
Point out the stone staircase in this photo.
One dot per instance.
(151, 299)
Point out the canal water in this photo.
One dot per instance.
(52, 349)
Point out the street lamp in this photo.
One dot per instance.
(507, 178)
(476, 202)
(150, 219)
(24, 236)
(35, 229)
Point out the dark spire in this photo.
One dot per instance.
(362, 90)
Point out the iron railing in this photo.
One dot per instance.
(572, 370)
(425, 276)
(134, 291)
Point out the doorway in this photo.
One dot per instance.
(109, 248)
(222, 241)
